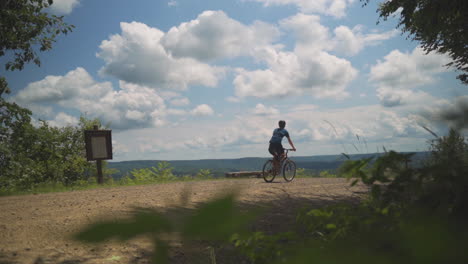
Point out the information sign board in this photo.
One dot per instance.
(98, 144)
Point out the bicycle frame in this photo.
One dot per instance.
(277, 166)
(284, 156)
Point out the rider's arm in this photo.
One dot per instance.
(291, 143)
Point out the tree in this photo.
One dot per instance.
(24, 27)
(440, 26)
(15, 122)
(44, 154)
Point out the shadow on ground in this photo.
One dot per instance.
(277, 215)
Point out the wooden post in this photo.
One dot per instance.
(100, 178)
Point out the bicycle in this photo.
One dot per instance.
(286, 167)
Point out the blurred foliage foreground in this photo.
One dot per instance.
(410, 215)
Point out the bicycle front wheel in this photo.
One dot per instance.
(289, 170)
(268, 171)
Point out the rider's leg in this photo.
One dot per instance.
(276, 162)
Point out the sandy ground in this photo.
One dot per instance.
(38, 228)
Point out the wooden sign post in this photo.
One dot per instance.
(98, 147)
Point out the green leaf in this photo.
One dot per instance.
(217, 219)
(144, 221)
(161, 252)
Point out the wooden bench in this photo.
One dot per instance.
(238, 174)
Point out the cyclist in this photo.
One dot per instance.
(276, 148)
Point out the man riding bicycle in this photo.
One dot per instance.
(276, 148)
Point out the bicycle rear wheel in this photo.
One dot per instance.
(289, 170)
(268, 171)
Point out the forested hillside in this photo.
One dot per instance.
(220, 166)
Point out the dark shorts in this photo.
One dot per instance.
(276, 149)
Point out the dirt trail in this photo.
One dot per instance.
(37, 228)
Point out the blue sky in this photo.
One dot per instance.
(186, 79)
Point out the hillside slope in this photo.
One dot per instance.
(220, 166)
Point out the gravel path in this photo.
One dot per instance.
(37, 228)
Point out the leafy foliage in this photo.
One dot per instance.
(440, 26)
(262, 248)
(204, 174)
(32, 156)
(23, 26)
(163, 172)
(411, 215)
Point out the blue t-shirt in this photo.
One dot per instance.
(278, 135)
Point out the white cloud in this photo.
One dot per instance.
(309, 68)
(214, 35)
(399, 72)
(130, 107)
(310, 128)
(172, 3)
(180, 101)
(312, 35)
(137, 56)
(351, 41)
(64, 7)
(176, 112)
(407, 70)
(261, 109)
(318, 74)
(415, 99)
(150, 57)
(62, 119)
(303, 107)
(202, 110)
(335, 8)
(60, 88)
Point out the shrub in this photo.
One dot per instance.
(411, 215)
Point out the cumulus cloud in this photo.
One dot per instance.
(62, 119)
(261, 109)
(202, 110)
(407, 70)
(389, 97)
(335, 8)
(310, 68)
(351, 41)
(132, 106)
(318, 74)
(76, 83)
(64, 7)
(400, 72)
(214, 35)
(312, 35)
(137, 56)
(176, 59)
